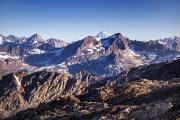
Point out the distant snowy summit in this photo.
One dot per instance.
(102, 35)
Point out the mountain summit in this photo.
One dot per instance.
(102, 35)
(34, 39)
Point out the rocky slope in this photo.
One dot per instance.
(10, 65)
(23, 46)
(16, 50)
(131, 101)
(20, 90)
(146, 92)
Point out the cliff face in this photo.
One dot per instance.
(20, 90)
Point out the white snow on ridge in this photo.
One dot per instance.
(90, 50)
(37, 51)
(62, 67)
(4, 55)
(7, 40)
(132, 53)
(1, 40)
(102, 35)
(162, 42)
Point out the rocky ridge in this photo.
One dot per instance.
(146, 92)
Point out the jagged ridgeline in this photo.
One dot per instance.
(103, 54)
(145, 92)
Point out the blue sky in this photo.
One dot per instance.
(71, 20)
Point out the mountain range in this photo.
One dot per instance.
(103, 54)
(102, 77)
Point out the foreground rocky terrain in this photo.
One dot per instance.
(143, 93)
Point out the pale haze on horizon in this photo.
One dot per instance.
(71, 20)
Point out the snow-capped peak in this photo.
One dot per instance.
(102, 35)
(1, 40)
(35, 39)
(36, 36)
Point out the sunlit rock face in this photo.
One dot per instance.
(52, 95)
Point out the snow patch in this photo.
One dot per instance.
(162, 42)
(1, 40)
(132, 53)
(7, 40)
(102, 35)
(90, 50)
(4, 55)
(37, 51)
